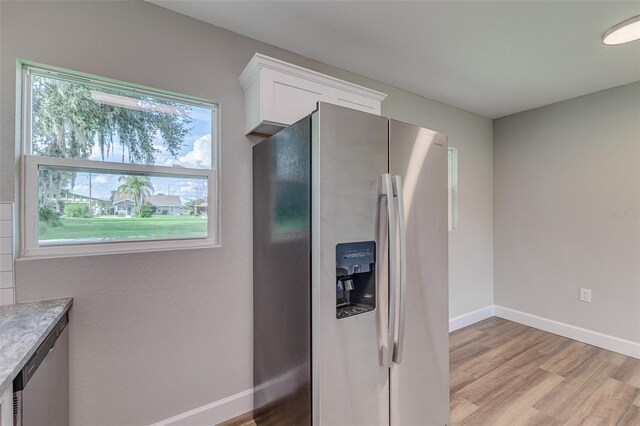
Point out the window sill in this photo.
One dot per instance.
(82, 250)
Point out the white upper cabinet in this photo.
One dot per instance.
(277, 94)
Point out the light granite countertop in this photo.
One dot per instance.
(23, 327)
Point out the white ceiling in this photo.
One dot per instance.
(492, 58)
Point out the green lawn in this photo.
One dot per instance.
(125, 228)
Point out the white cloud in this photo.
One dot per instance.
(158, 145)
(200, 156)
(114, 153)
(189, 190)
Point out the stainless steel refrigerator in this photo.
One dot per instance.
(350, 273)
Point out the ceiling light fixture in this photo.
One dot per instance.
(624, 32)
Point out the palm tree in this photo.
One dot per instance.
(139, 188)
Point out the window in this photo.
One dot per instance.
(112, 167)
(453, 189)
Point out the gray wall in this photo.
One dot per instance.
(559, 172)
(156, 334)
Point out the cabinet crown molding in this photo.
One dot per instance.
(260, 61)
(277, 94)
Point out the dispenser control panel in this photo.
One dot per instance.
(355, 278)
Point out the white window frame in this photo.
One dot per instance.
(452, 173)
(31, 246)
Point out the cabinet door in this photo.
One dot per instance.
(354, 101)
(287, 98)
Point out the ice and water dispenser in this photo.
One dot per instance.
(355, 278)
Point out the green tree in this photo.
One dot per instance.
(77, 210)
(49, 215)
(189, 206)
(68, 122)
(138, 187)
(146, 210)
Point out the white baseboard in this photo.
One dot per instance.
(238, 404)
(469, 318)
(605, 341)
(214, 412)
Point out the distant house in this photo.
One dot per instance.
(123, 204)
(200, 209)
(171, 204)
(97, 205)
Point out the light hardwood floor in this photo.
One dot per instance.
(504, 373)
(507, 374)
(243, 420)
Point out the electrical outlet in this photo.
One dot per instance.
(585, 295)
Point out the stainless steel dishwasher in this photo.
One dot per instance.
(41, 389)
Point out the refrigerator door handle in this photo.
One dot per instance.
(402, 290)
(386, 192)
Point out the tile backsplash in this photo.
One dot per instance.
(7, 284)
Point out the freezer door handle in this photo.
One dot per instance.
(402, 290)
(386, 194)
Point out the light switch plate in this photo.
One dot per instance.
(585, 295)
